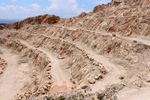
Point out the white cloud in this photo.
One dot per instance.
(14, 0)
(62, 8)
(35, 6)
(62, 5)
(65, 6)
(2, 8)
(13, 12)
(2, 3)
(81, 10)
(52, 7)
(101, 1)
(14, 9)
(83, 5)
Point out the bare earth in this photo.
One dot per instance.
(13, 79)
(101, 55)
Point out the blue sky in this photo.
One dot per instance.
(20, 9)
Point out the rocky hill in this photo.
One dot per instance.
(101, 55)
(49, 19)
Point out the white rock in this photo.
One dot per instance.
(91, 80)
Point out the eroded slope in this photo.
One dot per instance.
(105, 51)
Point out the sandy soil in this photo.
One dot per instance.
(134, 94)
(61, 86)
(60, 76)
(12, 80)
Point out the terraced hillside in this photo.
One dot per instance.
(101, 55)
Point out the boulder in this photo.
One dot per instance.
(99, 76)
(83, 85)
(91, 80)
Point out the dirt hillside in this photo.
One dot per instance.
(101, 55)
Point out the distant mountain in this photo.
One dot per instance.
(7, 21)
(3, 24)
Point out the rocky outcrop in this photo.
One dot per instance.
(83, 14)
(126, 17)
(134, 2)
(49, 19)
(99, 8)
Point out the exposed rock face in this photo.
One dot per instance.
(83, 14)
(49, 19)
(127, 17)
(91, 80)
(98, 8)
(134, 2)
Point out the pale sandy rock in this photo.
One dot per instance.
(91, 80)
(83, 85)
(147, 78)
(121, 77)
(99, 76)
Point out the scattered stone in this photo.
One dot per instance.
(91, 80)
(45, 88)
(60, 57)
(100, 76)
(83, 86)
(1, 72)
(147, 78)
(49, 83)
(121, 77)
(113, 35)
(96, 63)
(48, 69)
(49, 76)
(49, 66)
(103, 70)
